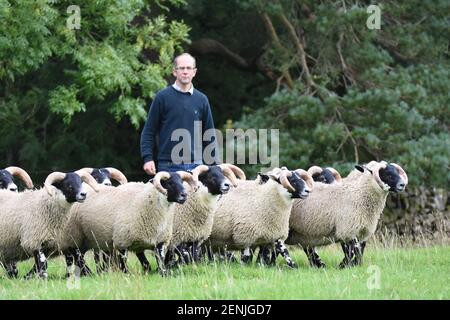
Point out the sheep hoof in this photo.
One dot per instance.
(13, 274)
(85, 272)
(164, 272)
(318, 265)
(345, 264)
(292, 265)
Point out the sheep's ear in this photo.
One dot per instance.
(263, 177)
(362, 168)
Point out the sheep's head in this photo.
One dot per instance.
(70, 184)
(389, 176)
(170, 184)
(104, 175)
(328, 175)
(7, 182)
(298, 183)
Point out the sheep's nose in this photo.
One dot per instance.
(401, 186)
(225, 187)
(13, 189)
(83, 195)
(182, 197)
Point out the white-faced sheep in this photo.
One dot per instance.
(31, 222)
(347, 211)
(135, 216)
(256, 213)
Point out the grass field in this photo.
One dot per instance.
(387, 273)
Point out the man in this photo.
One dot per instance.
(176, 107)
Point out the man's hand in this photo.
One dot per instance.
(149, 168)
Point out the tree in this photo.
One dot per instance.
(348, 94)
(68, 93)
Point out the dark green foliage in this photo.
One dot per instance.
(75, 97)
(377, 94)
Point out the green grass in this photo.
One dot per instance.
(404, 273)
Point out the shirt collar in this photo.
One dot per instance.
(191, 90)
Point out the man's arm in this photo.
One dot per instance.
(148, 136)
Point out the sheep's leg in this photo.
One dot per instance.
(246, 255)
(183, 251)
(41, 264)
(358, 251)
(313, 257)
(69, 263)
(280, 247)
(144, 262)
(348, 248)
(100, 261)
(160, 258)
(171, 259)
(209, 252)
(266, 256)
(81, 263)
(31, 273)
(122, 257)
(11, 270)
(196, 251)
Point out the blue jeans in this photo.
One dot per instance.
(172, 167)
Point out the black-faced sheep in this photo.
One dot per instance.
(6, 178)
(347, 211)
(32, 221)
(256, 213)
(135, 216)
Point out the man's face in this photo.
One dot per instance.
(185, 70)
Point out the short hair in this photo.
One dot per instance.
(183, 54)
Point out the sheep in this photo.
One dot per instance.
(347, 211)
(325, 175)
(256, 213)
(193, 220)
(6, 178)
(319, 175)
(103, 176)
(7, 182)
(31, 221)
(134, 216)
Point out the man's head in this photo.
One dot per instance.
(184, 69)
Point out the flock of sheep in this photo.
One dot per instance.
(187, 216)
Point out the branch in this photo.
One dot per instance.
(274, 37)
(345, 69)
(300, 49)
(355, 145)
(211, 46)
